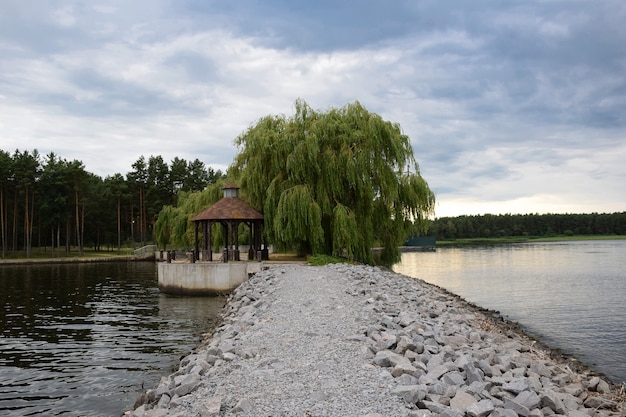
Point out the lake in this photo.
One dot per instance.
(571, 295)
(82, 339)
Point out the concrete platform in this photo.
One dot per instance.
(203, 278)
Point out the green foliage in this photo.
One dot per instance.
(52, 202)
(173, 225)
(321, 260)
(525, 225)
(334, 182)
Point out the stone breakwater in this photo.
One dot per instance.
(344, 340)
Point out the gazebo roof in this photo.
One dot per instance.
(229, 208)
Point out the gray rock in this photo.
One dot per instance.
(455, 341)
(561, 380)
(404, 343)
(520, 409)
(473, 374)
(485, 367)
(387, 341)
(528, 399)
(462, 401)
(187, 388)
(420, 413)
(406, 379)
(139, 411)
(409, 393)
(570, 402)
(453, 378)
(386, 358)
(503, 412)
(577, 413)
(574, 389)
(482, 408)
(437, 372)
(451, 413)
(478, 387)
(517, 385)
(406, 318)
(541, 369)
(242, 406)
(155, 413)
(163, 401)
(434, 407)
(599, 403)
(603, 387)
(550, 399)
(211, 407)
(438, 388)
(214, 351)
(403, 367)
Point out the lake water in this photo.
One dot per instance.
(82, 339)
(572, 295)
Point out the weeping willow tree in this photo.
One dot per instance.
(173, 225)
(338, 183)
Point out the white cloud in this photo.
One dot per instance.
(64, 16)
(506, 109)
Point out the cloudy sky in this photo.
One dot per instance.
(511, 107)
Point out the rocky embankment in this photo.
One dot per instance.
(346, 340)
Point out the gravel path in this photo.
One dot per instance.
(348, 340)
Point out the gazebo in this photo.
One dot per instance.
(230, 212)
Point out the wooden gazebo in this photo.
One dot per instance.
(230, 212)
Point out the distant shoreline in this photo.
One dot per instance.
(44, 261)
(524, 239)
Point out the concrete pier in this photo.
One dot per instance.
(203, 278)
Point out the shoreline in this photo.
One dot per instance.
(504, 325)
(44, 261)
(426, 351)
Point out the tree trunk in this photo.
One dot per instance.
(68, 234)
(82, 229)
(119, 225)
(132, 224)
(58, 235)
(2, 221)
(26, 224)
(141, 210)
(15, 222)
(32, 222)
(78, 242)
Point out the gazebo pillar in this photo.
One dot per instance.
(226, 251)
(210, 242)
(195, 255)
(233, 241)
(230, 212)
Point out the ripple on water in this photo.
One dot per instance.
(81, 340)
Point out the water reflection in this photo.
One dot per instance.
(570, 294)
(82, 339)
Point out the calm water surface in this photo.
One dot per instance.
(571, 295)
(82, 339)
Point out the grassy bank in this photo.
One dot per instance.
(525, 239)
(42, 256)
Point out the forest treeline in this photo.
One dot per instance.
(505, 225)
(54, 204)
